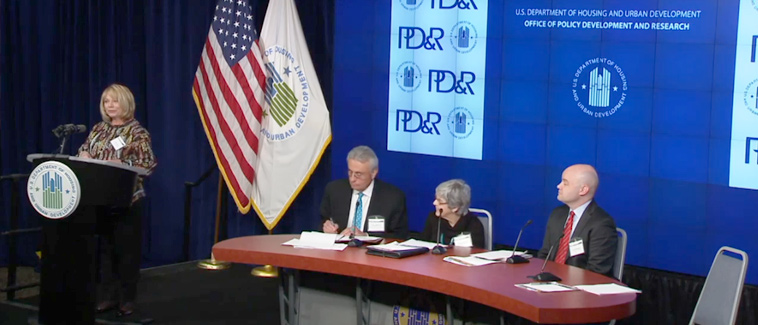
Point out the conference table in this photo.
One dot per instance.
(491, 285)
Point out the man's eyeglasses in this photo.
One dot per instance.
(357, 175)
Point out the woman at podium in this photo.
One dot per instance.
(120, 138)
(451, 218)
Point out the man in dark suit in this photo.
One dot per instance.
(589, 233)
(363, 204)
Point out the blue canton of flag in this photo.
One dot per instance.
(233, 25)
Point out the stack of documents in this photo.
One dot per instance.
(419, 243)
(365, 239)
(316, 240)
(468, 260)
(598, 289)
(546, 287)
(395, 247)
(395, 250)
(499, 255)
(606, 289)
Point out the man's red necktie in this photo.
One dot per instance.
(563, 248)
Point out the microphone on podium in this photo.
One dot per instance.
(547, 276)
(69, 129)
(439, 249)
(518, 259)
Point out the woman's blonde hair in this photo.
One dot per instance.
(125, 99)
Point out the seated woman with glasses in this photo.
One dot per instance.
(451, 203)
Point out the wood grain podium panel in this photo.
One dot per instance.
(492, 285)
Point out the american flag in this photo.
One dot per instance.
(228, 91)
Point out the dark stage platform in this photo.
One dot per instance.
(184, 294)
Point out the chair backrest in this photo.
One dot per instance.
(618, 264)
(486, 218)
(720, 298)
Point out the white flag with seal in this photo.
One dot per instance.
(295, 129)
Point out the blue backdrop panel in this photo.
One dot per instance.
(662, 154)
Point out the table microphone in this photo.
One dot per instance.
(439, 249)
(518, 259)
(547, 276)
(354, 242)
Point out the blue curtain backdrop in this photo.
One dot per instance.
(56, 57)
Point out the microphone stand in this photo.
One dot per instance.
(63, 145)
(439, 249)
(518, 259)
(354, 242)
(547, 276)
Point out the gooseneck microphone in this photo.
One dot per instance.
(547, 276)
(69, 129)
(518, 259)
(439, 249)
(354, 242)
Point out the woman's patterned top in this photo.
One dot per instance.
(137, 151)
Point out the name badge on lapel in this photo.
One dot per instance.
(576, 247)
(375, 223)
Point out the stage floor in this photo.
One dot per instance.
(183, 294)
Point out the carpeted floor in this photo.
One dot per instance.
(184, 294)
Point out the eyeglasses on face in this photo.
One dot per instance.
(358, 175)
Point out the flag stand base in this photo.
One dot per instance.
(213, 264)
(266, 271)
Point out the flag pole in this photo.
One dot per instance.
(213, 263)
(266, 271)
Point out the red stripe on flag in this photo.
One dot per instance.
(254, 107)
(247, 170)
(231, 101)
(259, 74)
(260, 77)
(243, 199)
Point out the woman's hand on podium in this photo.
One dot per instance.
(84, 154)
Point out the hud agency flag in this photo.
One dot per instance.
(228, 91)
(295, 129)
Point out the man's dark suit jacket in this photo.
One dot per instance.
(598, 231)
(386, 200)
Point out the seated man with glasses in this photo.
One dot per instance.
(362, 204)
(451, 203)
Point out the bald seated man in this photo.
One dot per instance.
(591, 239)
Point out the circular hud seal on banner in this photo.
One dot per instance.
(53, 190)
(750, 96)
(287, 94)
(460, 123)
(463, 37)
(411, 4)
(599, 87)
(408, 76)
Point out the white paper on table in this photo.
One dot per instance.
(467, 260)
(393, 247)
(546, 287)
(606, 289)
(497, 255)
(419, 243)
(315, 239)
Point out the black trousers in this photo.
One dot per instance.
(120, 242)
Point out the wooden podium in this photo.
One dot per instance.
(69, 245)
